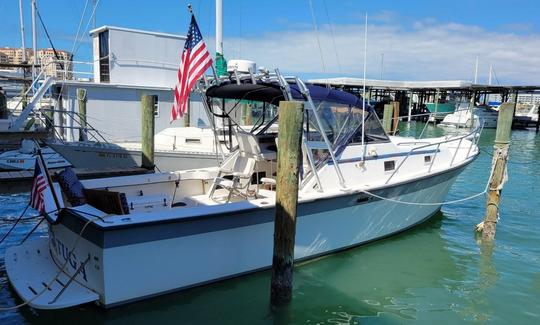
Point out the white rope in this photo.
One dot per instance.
(79, 27)
(486, 188)
(86, 28)
(60, 271)
(424, 204)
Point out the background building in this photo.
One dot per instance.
(59, 65)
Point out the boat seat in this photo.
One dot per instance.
(241, 166)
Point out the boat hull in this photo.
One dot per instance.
(15, 160)
(135, 262)
(103, 157)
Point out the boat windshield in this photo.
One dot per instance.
(342, 125)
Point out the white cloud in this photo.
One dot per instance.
(422, 51)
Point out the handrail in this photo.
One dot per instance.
(71, 114)
(476, 131)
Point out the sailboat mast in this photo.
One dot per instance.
(34, 39)
(21, 19)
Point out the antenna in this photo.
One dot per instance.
(364, 88)
(476, 71)
(382, 65)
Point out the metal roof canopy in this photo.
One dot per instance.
(419, 85)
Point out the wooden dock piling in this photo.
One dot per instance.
(291, 116)
(81, 99)
(538, 121)
(498, 177)
(387, 117)
(147, 119)
(3, 105)
(515, 102)
(395, 120)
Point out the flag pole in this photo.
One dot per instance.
(49, 180)
(190, 9)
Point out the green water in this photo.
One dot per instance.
(434, 273)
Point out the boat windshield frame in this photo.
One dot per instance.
(319, 102)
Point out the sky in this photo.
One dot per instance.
(407, 40)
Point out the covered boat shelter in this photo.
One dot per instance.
(413, 95)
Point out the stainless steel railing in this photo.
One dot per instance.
(475, 133)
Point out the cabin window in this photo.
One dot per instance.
(193, 140)
(156, 105)
(104, 73)
(389, 165)
(427, 159)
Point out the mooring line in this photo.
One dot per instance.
(15, 224)
(61, 269)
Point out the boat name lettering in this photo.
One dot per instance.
(63, 251)
(112, 155)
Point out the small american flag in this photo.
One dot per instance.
(194, 62)
(39, 186)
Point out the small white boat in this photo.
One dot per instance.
(526, 114)
(464, 118)
(24, 158)
(140, 236)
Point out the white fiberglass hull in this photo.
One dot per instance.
(133, 263)
(16, 160)
(114, 156)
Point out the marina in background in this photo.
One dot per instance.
(355, 160)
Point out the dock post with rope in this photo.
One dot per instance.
(291, 115)
(147, 118)
(499, 173)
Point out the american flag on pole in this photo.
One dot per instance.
(194, 62)
(39, 187)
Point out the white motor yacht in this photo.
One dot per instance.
(135, 237)
(464, 118)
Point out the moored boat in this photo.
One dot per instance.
(463, 117)
(134, 237)
(24, 158)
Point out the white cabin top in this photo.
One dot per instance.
(135, 57)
